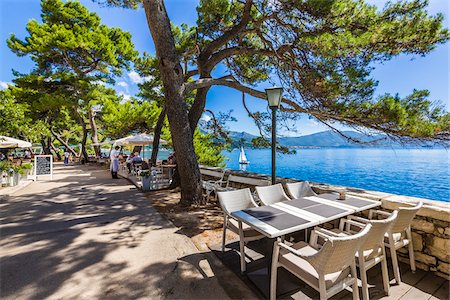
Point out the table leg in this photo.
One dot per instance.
(241, 247)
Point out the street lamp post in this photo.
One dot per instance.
(274, 99)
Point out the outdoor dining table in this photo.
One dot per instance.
(279, 219)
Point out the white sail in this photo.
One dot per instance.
(243, 157)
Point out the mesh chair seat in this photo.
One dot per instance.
(305, 270)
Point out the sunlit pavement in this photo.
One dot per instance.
(85, 235)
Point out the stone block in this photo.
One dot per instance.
(443, 275)
(447, 231)
(440, 247)
(426, 259)
(422, 225)
(440, 230)
(443, 267)
(419, 265)
(417, 241)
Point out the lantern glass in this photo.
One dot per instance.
(274, 96)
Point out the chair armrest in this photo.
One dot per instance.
(378, 212)
(294, 251)
(359, 219)
(349, 222)
(323, 233)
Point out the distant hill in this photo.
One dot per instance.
(324, 139)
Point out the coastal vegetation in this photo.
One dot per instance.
(321, 52)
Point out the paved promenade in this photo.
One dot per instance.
(86, 236)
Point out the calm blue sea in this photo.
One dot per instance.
(412, 172)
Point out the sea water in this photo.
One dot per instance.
(411, 172)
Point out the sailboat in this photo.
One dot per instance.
(242, 158)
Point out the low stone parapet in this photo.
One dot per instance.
(430, 228)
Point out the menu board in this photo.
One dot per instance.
(43, 165)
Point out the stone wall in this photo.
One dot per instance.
(430, 227)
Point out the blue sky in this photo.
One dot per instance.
(400, 75)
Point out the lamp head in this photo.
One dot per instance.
(274, 96)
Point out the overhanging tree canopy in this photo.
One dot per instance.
(322, 51)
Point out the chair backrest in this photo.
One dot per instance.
(271, 194)
(236, 200)
(375, 237)
(404, 218)
(338, 252)
(300, 189)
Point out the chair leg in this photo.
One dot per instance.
(355, 283)
(412, 261)
(242, 247)
(224, 236)
(363, 273)
(394, 259)
(322, 287)
(385, 273)
(274, 271)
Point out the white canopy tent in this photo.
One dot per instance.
(142, 139)
(10, 143)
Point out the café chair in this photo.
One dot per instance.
(271, 194)
(328, 270)
(300, 189)
(399, 235)
(235, 200)
(372, 252)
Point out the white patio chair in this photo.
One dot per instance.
(231, 201)
(271, 194)
(328, 270)
(300, 189)
(399, 235)
(213, 186)
(372, 251)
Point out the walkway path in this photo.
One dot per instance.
(86, 236)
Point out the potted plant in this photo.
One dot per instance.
(146, 179)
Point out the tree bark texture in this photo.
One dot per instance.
(157, 134)
(83, 143)
(176, 106)
(62, 141)
(94, 131)
(45, 146)
(58, 155)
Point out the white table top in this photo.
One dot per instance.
(290, 216)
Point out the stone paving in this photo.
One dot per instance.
(86, 236)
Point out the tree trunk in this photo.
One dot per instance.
(157, 134)
(197, 108)
(83, 144)
(177, 110)
(45, 147)
(94, 131)
(62, 141)
(58, 155)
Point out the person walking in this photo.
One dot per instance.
(114, 156)
(66, 157)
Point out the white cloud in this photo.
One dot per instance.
(205, 118)
(99, 82)
(136, 78)
(4, 85)
(126, 97)
(123, 84)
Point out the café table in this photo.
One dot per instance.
(279, 219)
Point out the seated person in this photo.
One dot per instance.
(129, 162)
(136, 158)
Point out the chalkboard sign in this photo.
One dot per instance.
(43, 165)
